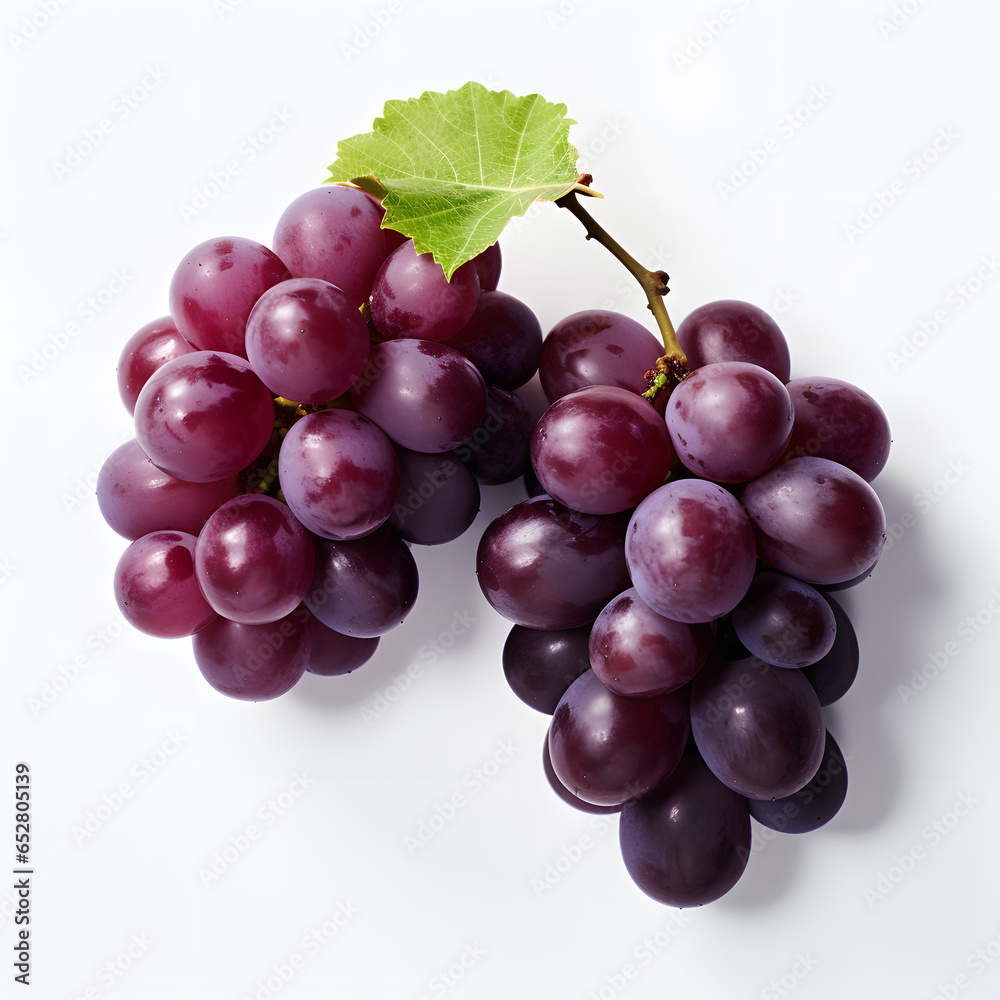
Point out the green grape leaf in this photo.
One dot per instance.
(453, 169)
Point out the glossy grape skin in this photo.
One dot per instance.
(639, 654)
(156, 588)
(540, 664)
(564, 793)
(411, 298)
(488, 264)
(729, 422)
(545, 566)
(815, 520)
(784, 621)
(136, 497)
(759, 728)
(833, 676)
(204, 416)
(596, 347)
(338, 473)
(306, 340)
(364, 587)
(690, 551)
(688, 842)
(254, 662)
(731, 330)
(600, 450)
(838, 421)
(607, 749)
(812, 806)
(438, 497)
(254, 560)
(425, 396)
(502, 338)
(499, 449)
(148, 349)
(333, 233)
(214, 288)
(333, 653)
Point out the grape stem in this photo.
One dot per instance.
(672, 367)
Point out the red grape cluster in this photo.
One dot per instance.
(670, 586)
(304, 414)
(309, 411)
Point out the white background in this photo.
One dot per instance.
(144, 777)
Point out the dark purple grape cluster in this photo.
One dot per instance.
(305, 413)
(670, 583)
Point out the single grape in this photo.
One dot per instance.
(607, 749)
(254, 560)
(363, 587)
(545, 566)
(333, 653)
(759, 728)
(149, 348)
(784, 621)
(411, 297)
(839, 421)
(638, 653)
(306, 340)
(564, 793)
(596, 347)
(136, 497)
(688, 842)
(730, 421)
(425, 396)
(203, 416)
(502, 338)
(540, 664)
(498, 450)
(815, 520)
(833, 676)
(487, 266)
(333, 233)
(254, 662)
(690, 551)
(600, 450)
(156, 588)
(438, 497)
(730, 330)
(813, 805)
(338, 473)
(214, 288)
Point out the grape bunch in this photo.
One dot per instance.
(670, 581)
(305, 414)
(309, 411)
